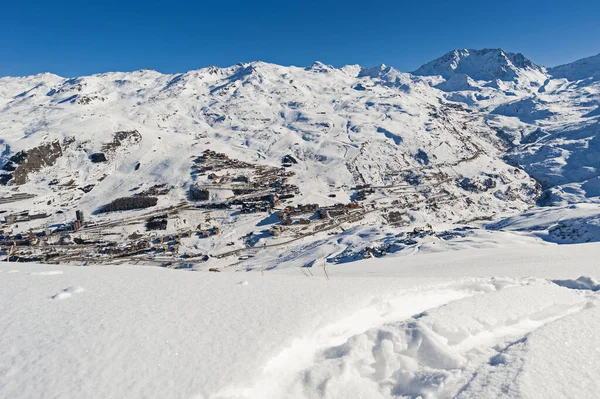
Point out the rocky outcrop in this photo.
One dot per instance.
(23, 163)
(123, 138)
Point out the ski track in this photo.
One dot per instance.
(437, 343)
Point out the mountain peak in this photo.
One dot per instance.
(485, 64)
(318, 66)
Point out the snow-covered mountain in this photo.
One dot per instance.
(486, 64)
(585, 68)
(475, 134)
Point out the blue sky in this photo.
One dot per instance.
(73, 38)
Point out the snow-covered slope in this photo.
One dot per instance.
(439, 326)
(476, 134)
(486, 64)
(585, 68)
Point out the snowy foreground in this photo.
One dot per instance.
(477, 323)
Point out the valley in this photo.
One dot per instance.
(259, 166)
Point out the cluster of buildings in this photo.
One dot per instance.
(209, 232)
(211, 161)
(263, 179)
(23, 216)
(302, 214)
(332, 212)
(289, 214)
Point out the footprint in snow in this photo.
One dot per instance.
(67, 293)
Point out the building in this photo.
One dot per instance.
(79, 216)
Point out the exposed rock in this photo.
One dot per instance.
(9, 167)
(34, 160)
(157, 189)
(130, 137)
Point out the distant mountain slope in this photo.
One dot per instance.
(486, 64)
(476, 134)
(581, 69)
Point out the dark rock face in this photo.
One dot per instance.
(98, 157)
(476, 186)
(5, 178)
(9, 167)
(23, 163)
(489, 183)
(19, 157)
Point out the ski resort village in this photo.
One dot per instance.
(271, 232)
(212, 167)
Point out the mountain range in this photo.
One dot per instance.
(473, 135)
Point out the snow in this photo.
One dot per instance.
(486, 64)
(435, 353)
(581, 283)
(437, 325)
(575, 350)
(472, 271)
(581, 69)
(564, 225)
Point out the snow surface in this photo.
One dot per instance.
(581, 69)
(487, 285)
(471, 323)
(486, 64)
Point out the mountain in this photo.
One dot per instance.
(486, 64)
(582, 69)
(260, 157)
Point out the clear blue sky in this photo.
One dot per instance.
(79, 37)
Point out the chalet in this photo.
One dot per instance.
(275, 230)
(198, 194)
(290, 211)
(240, 179)
(362, 194)
(256, 206)
(212, 231)
(337, 210)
